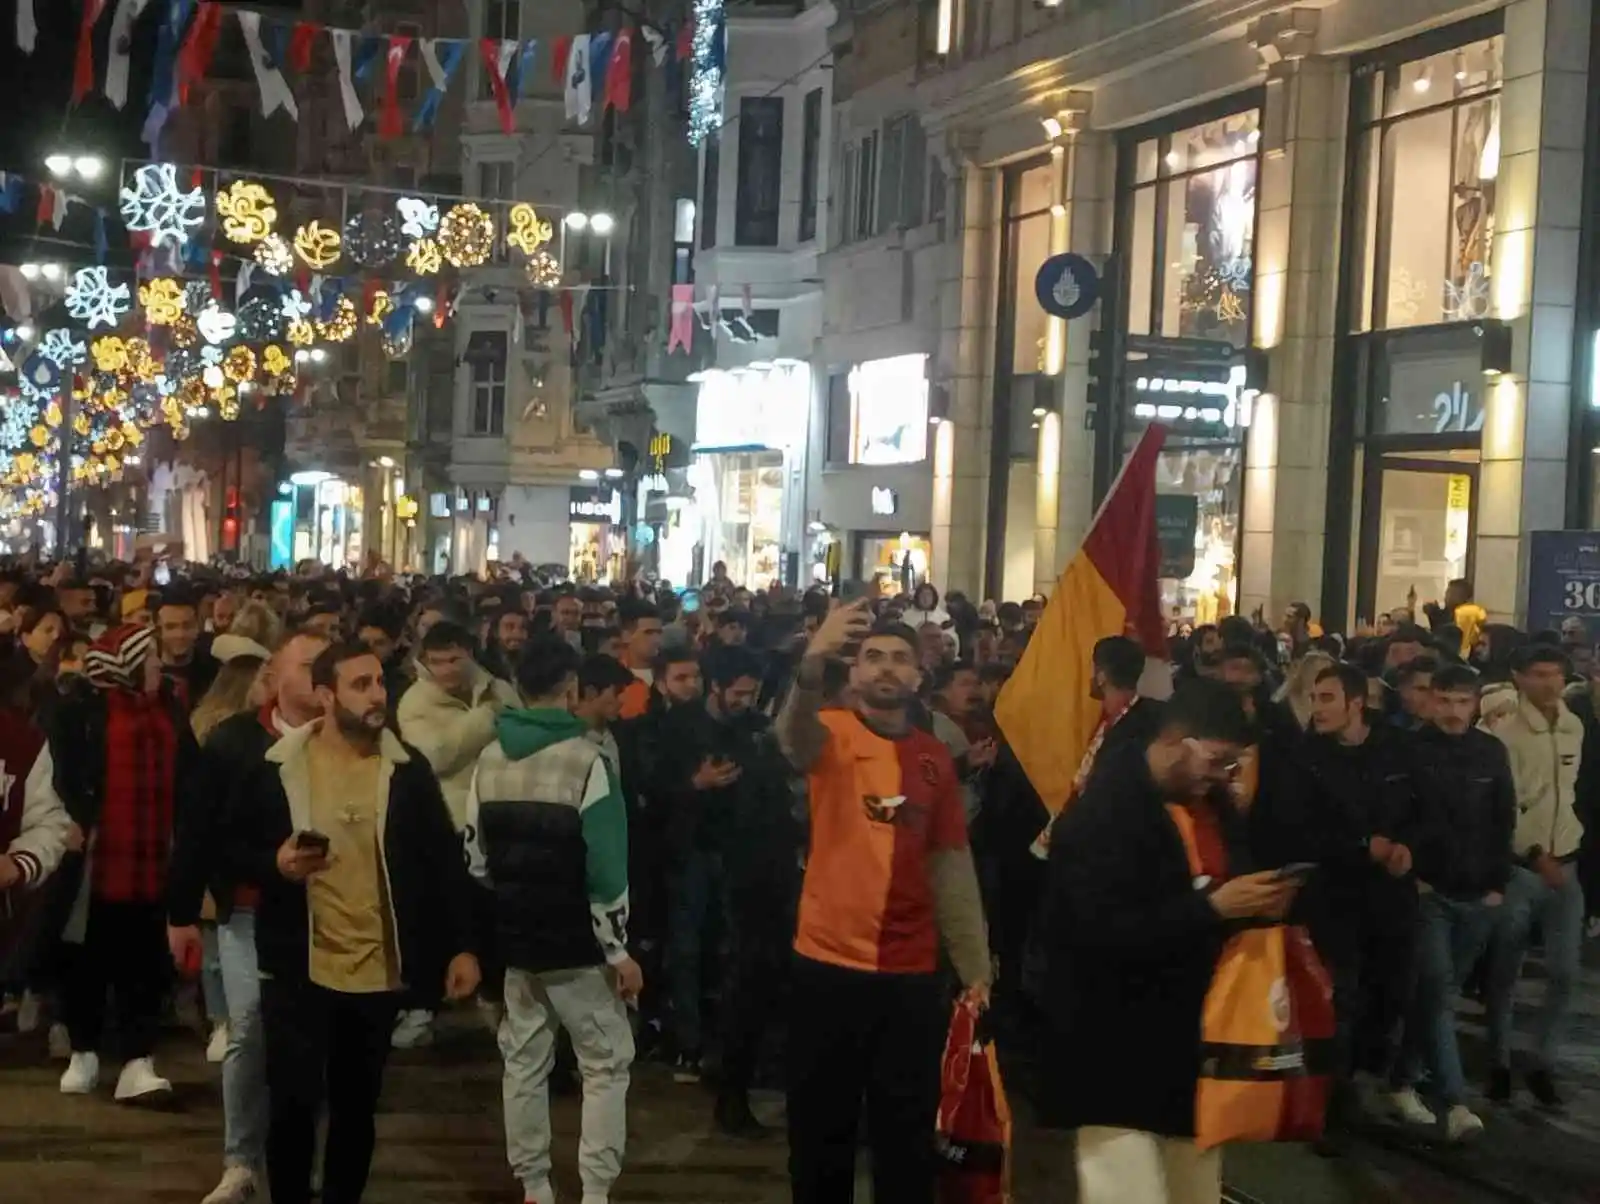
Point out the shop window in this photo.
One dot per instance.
(486, 352)
(710, 173)
(1191, 234)
(1428, 154)
(810, 151)
(889, 410)
(756, 205)
(1029, 204)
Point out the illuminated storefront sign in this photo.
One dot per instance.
(1226, 404)
(595, 506)
(752, 409)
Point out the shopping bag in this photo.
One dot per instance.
(1267, 1029)
(973, 1131)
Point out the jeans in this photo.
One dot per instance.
(694, 891)
(583, 1002)
(860, 1036)
(1559, 913)
(323, 1045)
(212, 990)
(244, 1065)
(1451, 934)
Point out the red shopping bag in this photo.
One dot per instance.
(974, 1124)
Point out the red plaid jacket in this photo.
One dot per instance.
(133, 841)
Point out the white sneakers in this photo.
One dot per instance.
(139, 1080)
(1408, 1106)
(217, 1047)
(82, 1074)
(238, 1185)
(413, 1030)
(1462, 1124)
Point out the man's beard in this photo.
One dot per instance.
(355, 725)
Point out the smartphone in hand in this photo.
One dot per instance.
(312, 840)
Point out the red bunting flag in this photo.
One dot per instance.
(560, 51)
(566, 312)
(301, 43)
(216, 275)
(619, 73)
(47, 204)
(198, 47)
(83, 70)
(686, 41)
(391, 124)
(489, 48)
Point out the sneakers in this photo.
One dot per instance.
(1543, 1088)
(217, 1047)
(238, 1184)
(1500, 1085)
(686, 1069)
(82, 1074)
(28, 1013)
(1408, 1106)
(539, 1193)
(1462, 1124)
(140, 1081)
(413, 1030)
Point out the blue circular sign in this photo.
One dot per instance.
(1067, 285)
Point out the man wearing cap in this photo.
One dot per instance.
(132, 756)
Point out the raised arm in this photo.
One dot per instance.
(801, 734)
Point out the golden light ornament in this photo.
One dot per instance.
(274, 255)
(301, 333)
(382, 307)
(192, 393)
(142, 361)
(39, 435)
(227, 399)
(185, 332)
(318, 245)
(425, 257)
(163, 301)
(131, 434)
(80, 425)
(528, 232)
(340, 326)
(110, 354)
(239, 365)
(112, 464)
(180, 431)
(273, 360)
(114, 439)
(543, 270)
(52, 414)
(247, 210)
(466, 236)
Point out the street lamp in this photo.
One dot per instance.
(88, 168)
(602, 223)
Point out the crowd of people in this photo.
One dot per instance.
(678, 824)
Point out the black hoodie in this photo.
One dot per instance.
(1468, 807)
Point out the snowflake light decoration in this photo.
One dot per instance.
(418, 218)
(274, 255)
(466, 236)
(247, 210)
(706, 58)
(61, 349)
(211, 356)
(372, 240)
(295, 305)
(317, 245)
(164, 301)
(216, 324)
(93, 299)
(1237, 274)
(1470, 298)
(424, 258)
(157, 206)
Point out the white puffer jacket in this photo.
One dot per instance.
(1544, 766)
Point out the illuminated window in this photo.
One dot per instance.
(889, 411)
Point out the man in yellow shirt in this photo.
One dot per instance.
(364, 894)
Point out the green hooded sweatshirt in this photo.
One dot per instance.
(523, 733)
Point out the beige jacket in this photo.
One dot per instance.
(451, 733)
(1544, 766)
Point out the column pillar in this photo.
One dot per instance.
(1295, 315)
(1533, 284)
(965, 369)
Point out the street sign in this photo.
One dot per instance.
(1067, 285)
(1564, 579)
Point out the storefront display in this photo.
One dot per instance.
(740, 496)
(889, 411)
(597, 547)
(893, 564)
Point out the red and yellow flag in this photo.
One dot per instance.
(1109, 588)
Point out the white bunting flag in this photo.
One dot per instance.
(578, 94)
(120, 49)
(275, 91)
(353, 112)
(27, 26)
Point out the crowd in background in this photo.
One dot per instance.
(671, 781)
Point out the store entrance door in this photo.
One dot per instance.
(1420, 521)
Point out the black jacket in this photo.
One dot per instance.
(1131, 948)
(1356, 792)
(431, 901)
(235, 746)
(1468, 807)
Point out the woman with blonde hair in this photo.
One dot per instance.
(1296, 689)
